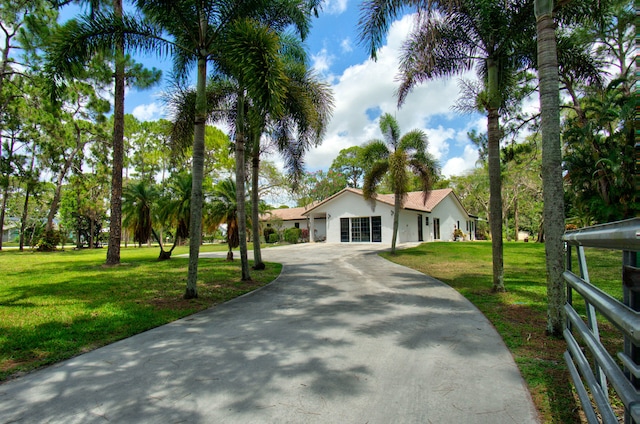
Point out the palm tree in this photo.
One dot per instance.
(224, 209)
(451, 38)
(65, 59)
(175, 210)
(552, 180)
(294, 123)
(307, 109)
(137, 206)
(227, 32)
(393, 156)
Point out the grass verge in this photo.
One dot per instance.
(57, 305)
(519, 315)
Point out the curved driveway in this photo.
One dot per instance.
(342, 336)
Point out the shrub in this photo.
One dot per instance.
(292, 235)
(268, 232)
(304, 234)
(49, 240)
(273, 237)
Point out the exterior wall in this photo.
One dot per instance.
(351, 205)
(281, 225)
(408, 227)
(320, 229)
(450, 214)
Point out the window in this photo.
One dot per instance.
(376, 229)
(436, 228)
(360, 230)
(344, 230)
(364, 229)
(297, 224)
(420, 236)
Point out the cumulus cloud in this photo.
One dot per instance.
(370, 86)
(149, 112)
(461, 164)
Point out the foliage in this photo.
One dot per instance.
(274, 238)
(319, 185)
(599, 157)
(351, 164)
(267, 232)
(292, 235)
(49, 241)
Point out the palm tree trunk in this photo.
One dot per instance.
(195, 220)
(396, 220)
(495, 180)
(553, 193)
(115, 218)
(240, 190)
(255, 199)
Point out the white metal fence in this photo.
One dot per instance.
(594, 374)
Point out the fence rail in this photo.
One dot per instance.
(592, 379)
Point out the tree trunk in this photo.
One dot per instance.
(92, 229)
(495, 179)
(25, 215)
(240, 190)
(5, 194)
(516, 224)
(115, 218)
(197, 197)
(255, 207)
(61, 175)
(553, 193)
(396, 219)
(25, 210)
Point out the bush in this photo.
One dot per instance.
(49, 240)
(304, 234)
(268, 232)
(292, 235)
(273, 237)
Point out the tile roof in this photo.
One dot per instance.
(414, 200)
(287, 214)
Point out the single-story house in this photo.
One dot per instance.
(281, 219)
(346, 217)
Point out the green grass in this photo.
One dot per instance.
(56, 305)
(519, 315)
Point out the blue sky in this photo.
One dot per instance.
(363, 90)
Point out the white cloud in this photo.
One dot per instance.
(372, 86)
(460, 165)
(346, 45)
(149, 112)
(322, 61)
(334, 7)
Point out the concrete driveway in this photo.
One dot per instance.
(342, 336)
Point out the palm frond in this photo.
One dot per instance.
(373, 178)
(376, 17)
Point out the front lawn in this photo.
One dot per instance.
(57, 305)
(519, 315)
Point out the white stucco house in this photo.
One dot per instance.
(281, 219)
(346, 217)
